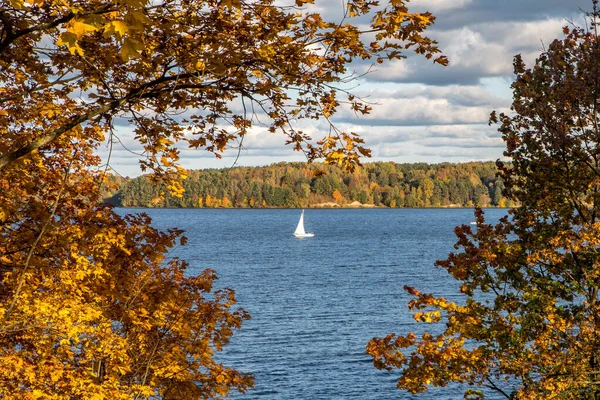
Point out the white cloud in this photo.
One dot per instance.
(476, 51)
(435, 6)
(425, 112)
(422, 105)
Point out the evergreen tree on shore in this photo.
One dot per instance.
(382, 184)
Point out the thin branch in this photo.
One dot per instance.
(48, 138)
(495, 387)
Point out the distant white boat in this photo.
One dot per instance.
(300, 232)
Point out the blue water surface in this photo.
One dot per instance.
(316, 302)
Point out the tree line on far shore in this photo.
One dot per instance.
(379, 184)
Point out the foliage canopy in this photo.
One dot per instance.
(530, 324)
(91, 306)
(297, 185)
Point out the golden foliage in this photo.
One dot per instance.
(530, 322)
(130, 58)
(90, 307)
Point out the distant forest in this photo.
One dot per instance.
(289, 185)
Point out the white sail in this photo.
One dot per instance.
(300, 232)
(300, 227)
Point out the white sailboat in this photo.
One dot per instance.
(300, 232)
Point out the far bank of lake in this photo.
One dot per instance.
(301, 185)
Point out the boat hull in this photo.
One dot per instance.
(304, 235)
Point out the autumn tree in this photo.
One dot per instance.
(307, 190)
(529, 326)
(90, 305)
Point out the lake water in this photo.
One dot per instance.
(316, 302)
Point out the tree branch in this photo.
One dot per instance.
(11, 36)
(46, 139)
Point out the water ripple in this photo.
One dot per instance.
(315, 303)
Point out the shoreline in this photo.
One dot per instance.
(320, 206)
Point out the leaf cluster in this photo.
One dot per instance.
(202, 72)
(529, 324)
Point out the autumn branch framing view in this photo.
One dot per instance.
(93, 305)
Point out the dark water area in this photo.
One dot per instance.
(316, 302)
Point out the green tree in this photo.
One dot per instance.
(530, 325)
(243, 185)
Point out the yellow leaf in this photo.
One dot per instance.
(137, 20)
(16, 3)
(55, 375)
(70, 40)
(131, 49)
(119, 28)
(80, 28)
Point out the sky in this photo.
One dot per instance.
(423, 112)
